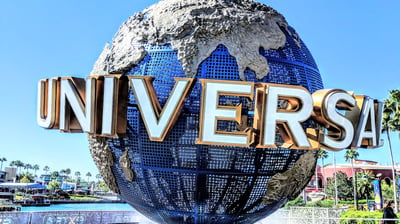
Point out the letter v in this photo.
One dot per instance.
(159, 121)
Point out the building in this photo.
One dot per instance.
(46, 178)
(375, 168)
(66, 186)
(2, 176)
(318, 181)
(11, 174)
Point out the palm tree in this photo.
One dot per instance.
(77, 174)
(12, 163)
(2, 160)
(65, 172)
(55, 174)
(88, 174)
(391, 122)
(62, 172)
(68, 172)
(35, 168)
(18, 164)
(98, 177)
(46, 169)
(335, 178)
(351, 155)
(322, 154)
(364, 184)
(27, 167)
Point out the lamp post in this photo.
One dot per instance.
(354, 173)
(393, 173)
(334, 173)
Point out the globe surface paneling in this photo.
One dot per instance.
(176, 180)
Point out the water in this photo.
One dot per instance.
(81, 207)
(102, 207)
(92, 213)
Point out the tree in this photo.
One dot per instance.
(322, 154)
(98, 177)
(27, 167)
(387, 190)
(62, 173)
(46, 169)
(35, 168)
(343, 186)
(391, 123)
(68, 172)
(2, 160)
(351, 155)
(55, 174)
(102, 186)
(77, 175)
(88, 174)
(65, 172)
(18, 164)
(27, 178)
(54, 185)
(364, 184)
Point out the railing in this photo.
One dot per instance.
(71, 217)
(315, 215)
(328, 221)
(294, 215)
(304, 215)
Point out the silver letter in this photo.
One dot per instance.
(346, 135)
(211, 112)
(109, 106)
(299, 109)
(72, 91)
(363, 131)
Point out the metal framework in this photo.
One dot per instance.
(177, 181)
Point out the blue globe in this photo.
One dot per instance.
(178, 181)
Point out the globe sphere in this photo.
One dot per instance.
(176, 180)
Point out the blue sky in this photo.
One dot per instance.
(356, 45)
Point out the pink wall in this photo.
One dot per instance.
(328, 172)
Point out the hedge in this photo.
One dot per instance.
(361, 215)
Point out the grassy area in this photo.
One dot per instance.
(18, 197)
(82, 197)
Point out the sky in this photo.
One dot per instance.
(356, 45)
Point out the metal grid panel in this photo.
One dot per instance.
(177, 181)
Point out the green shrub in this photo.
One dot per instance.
(360, 214)
(326, 204)
(350, 202)
(296, 202)
(82, 197)
(322, 204)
